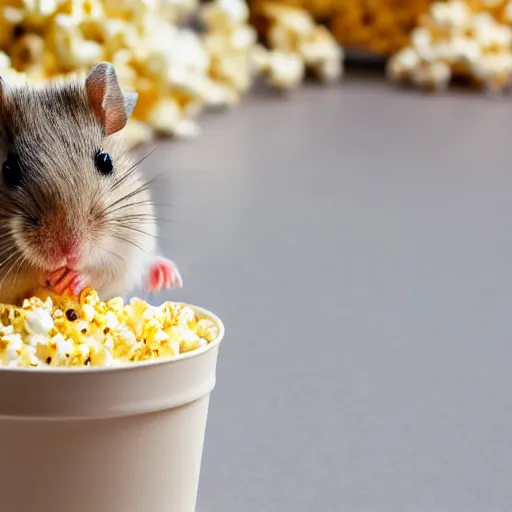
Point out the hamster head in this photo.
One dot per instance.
(69, 194)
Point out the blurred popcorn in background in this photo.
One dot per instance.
(381, 27)
(456, 41)
(297, 45)
(179, 70)
(176, 70)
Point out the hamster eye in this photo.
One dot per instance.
(103, 163)
(11, 170)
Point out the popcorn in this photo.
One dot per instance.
(225, 14)
(229, 41)
(456, 40)
(165, 116)
(297, 45)
(380, 27)
(206, 330)
(28, 52)
(12, 349)
(38, 321)
(167, 64)
(177, 71)
(284, 70)
(60, 332)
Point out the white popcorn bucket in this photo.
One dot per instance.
(122, 439)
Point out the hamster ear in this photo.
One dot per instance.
(110, 106)
(130, 100)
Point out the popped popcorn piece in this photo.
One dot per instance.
(136, 132)
(38, 321)
(187, 129)
(11, 350)
(284, 70)
(61, 332)
(187, 339)
(206, 329)
(165, 116)
(99, 354)
(63, 350)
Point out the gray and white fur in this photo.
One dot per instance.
(54, 131)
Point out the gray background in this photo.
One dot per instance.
(356, 241)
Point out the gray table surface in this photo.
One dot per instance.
(357, 242)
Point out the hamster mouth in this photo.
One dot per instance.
(60, 261)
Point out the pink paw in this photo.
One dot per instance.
(163, 274)
(65, 281)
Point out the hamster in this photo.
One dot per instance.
(75, 211)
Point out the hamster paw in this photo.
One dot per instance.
(163, 273)
(65, 282)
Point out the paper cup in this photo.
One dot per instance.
(124, 439)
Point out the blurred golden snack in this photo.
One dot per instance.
(298, 44)
(378, 26)
(229, 42)
(456, 40)
(382, 27)
(176, 70)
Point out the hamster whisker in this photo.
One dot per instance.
(8, 272)
(9, 246)
(6, 239)
(140, 190)
(149, 215)
(164, 219)
(131, 228)
(146, 185)
(137, 216)
(136, 203)
(8, 259)
(143, 221)
(5, 249)
(164, 205)
(21, 259)
(118, 256)
(128, 242)
(132, 170)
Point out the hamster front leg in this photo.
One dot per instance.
(65, 281)
(162, 274)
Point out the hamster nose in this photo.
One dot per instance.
(70, 251)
